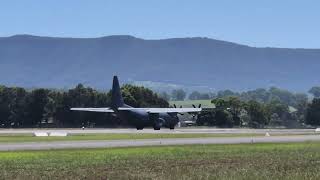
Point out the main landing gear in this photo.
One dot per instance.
(156, 128)
(139, 128)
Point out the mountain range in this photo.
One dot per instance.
(34, 61)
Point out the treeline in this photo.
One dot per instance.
(260, 108)
(232, 111)
(260, 95)
(180, 95)
(45, 107)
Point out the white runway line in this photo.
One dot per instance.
(152, 142)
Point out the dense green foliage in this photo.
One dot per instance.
(195, 95)
(232, 111)
(21, 108)
(313, 112)
(178, 95)
(267, 95)
(257, 108)
(260, 108)
(241, 161)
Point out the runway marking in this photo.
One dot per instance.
(152, 142)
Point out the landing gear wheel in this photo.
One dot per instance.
(139, 128)
(171, 128)
(156, 128)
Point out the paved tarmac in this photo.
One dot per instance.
(153, 142)
(164, 130)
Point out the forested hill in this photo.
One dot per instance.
(32, 61)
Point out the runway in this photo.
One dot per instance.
(153, 142)
(163, 130)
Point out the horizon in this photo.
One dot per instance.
(283, 24)
(147, 39)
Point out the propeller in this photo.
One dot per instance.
(195, 114)
(181, 113)
(174, 105)
(199, 106)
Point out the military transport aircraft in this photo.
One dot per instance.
(140, 117)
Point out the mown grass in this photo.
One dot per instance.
(16, 138)
(244, 161)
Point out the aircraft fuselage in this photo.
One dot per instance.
(140, 119)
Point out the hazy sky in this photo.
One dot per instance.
(277, 23)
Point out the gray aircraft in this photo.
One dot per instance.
(140, 117)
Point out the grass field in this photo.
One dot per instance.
(245, 161)
(7, 138)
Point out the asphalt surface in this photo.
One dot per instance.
(153, 142)
(164, 130)
(277, 136)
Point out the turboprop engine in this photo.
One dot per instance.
(156, 120)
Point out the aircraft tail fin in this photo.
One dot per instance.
(116, 99)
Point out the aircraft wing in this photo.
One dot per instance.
(93, 109)
(164, 110)
(173, 110)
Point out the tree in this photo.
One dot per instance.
(216, 117)
(178, 94)
(278, 112)
(277, 107)
(226, 93)
(204, 96)
(275, 120)
(313, 113)
(5, 99)
(83, 97)
(219, 103)
(257, 114)
(142, 97)
(52, 107)
(164, 95)
(301, 105)
(17, 106)
(36, 102)
(206, 118)
(223, 118)
(233, 105)
(194, 95)
(259, 95)
(315, 91)
(284, 96)
(21, 108)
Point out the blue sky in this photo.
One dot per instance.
(273, 23)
